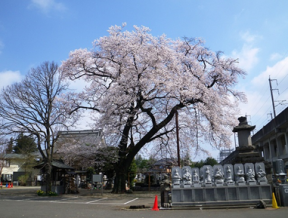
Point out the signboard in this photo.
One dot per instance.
(97, 178)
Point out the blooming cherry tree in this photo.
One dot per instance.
(137, 82)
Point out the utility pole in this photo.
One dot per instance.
(177, 136)
(272, 98)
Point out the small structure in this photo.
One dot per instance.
(63, 180)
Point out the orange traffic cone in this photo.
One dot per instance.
(155, 207)
(9, 186)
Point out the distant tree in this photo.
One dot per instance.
(210, 161)
(138, 82)
(150, 163)
(36, 107)
(10, 146)
(198, 164)
(25, 144)
(138, 160)
(143, 163)
(132, 173)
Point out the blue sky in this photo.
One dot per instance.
(256, 32)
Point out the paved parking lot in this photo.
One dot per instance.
(23, 202)
(73, 200)
(28, 194)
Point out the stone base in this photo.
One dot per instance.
(221, 195)
(251, 183)
(262, 183)
(219, 185)
(176, 186)
(241, 184)
(197, 185)
(187, 186)
(230, 184)
(207, 184)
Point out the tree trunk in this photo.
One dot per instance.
(48, 177)
(121, 176)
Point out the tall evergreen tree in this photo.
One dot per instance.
(9, 148)
(25, 144)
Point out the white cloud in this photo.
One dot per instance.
(248, 54)
(9, 77)
(275, 56)
(259, 106)
(48, 5)
(248, 38)
(247, 57)
(278, 71)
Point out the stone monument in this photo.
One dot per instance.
(176, 177)
(250, 174)
(218, 175)
(195, 178)
(186, 177)
(206, 175)
(260, 173)
(229, 175)
(218, 185)
(246, 152)
(239, 174)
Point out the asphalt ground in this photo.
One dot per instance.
(85, 196)
(24, 202)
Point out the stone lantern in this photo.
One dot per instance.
(246, 152)
(244, 134)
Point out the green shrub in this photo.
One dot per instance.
(23, 179)
(42, 193)
(52, 194)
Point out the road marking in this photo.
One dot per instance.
(131, 201)
(95, 200)
(66, 201)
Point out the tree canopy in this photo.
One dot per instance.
(25, 144)
(137, 82)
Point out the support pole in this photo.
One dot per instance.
(177, 136)
(272, 98)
